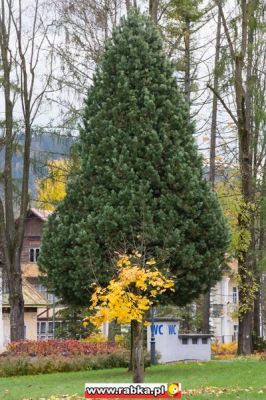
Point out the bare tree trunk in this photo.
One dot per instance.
(11, 253)
(16, 302)
(206, 297)
(243, 102)
(138, 352)
(214, 105)
(241, 61)
(111, 332)
(187, 62)
(259, 300)
(128, 5)
(23, 62)
(130, 365)
(153, 10)
(257, 312)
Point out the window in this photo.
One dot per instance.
(235, 334)
(184, 341)
(194, 340)
(235, 295)
(217, 310)
(50, 327)
(204, 340)
(44, 330)
(44, 291)
(34, 254)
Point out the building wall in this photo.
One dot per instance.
(32, 237)
(200, 351)
(30, 318)
(224, 323)
(170, 345)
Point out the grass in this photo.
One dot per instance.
(246, 376)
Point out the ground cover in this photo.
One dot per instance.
(242, 379)
(41, 357)
(56, 347)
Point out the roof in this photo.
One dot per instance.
(42, 214)
(30, 270)
(32, 298)
(164, 319)
(194, 335)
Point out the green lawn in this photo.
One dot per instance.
(247, 375)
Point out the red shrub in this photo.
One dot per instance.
(52, 347)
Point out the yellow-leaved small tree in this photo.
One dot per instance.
(52, 189)
(127, 299)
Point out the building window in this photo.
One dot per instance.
(194, 340)
(217, 310)
(235, 295)
(235, 334)
(43, 290)
(204, 340)
(34, 254)
(45, 330)
(184, 341)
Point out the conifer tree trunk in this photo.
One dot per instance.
(138, 352)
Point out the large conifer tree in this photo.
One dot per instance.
(140, 185)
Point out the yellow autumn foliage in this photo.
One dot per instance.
(234, 207)
(101, 338)
(52, 189)
(224, 348)
(130, 294)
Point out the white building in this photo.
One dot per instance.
(173, 346)
(224, 307)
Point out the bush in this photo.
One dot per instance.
(34, 348)
(101, 338)
(11, 366)
(224, 349)
(259, 344)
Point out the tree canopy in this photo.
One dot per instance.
(140, 184)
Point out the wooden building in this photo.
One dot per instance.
(40, 305)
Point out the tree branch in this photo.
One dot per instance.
(223, 104)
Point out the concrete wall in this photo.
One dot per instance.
(166, 338)
(192, 351)
(170, 347)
